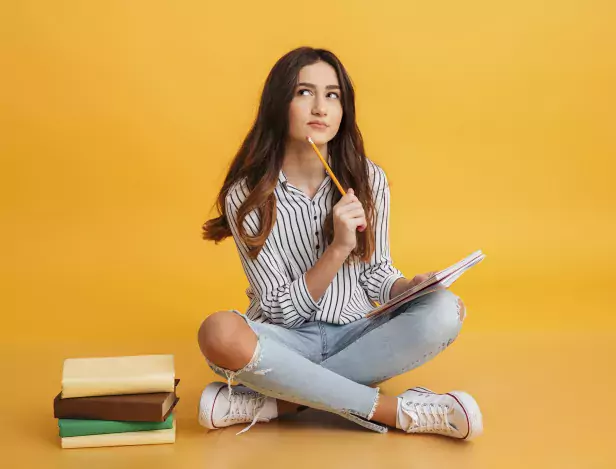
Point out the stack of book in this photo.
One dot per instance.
(117, 401)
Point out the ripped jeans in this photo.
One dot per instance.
(331, 367)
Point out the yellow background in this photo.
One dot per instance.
(495, 122)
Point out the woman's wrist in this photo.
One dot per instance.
(400, 286)
(339, 252)
(323, 272)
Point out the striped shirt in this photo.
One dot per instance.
(278, 292)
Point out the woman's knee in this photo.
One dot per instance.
(446, 315)
(226, 339)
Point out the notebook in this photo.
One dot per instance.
(441, 279)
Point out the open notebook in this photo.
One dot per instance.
(442, 279)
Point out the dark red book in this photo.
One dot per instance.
(150, 407)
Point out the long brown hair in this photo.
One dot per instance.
(259, 159)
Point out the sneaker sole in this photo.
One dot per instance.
(470, 406)
(208, 398)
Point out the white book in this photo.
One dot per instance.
(84, 377)
(152, 437)
(441, 279)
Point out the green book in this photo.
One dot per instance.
(79, 427)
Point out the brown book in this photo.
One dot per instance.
(150, 407)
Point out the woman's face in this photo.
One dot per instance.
(316, 108)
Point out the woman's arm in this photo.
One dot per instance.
(380, 275)
(348, 214)
(321, 274)
(283, 301)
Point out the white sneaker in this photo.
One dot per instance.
(455, 414)
(219, 407)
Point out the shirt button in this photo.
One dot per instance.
(315, 217)
(318, 246)
(316, 233)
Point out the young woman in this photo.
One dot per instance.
(317, 263)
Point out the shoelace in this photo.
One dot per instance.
(431, 417)
(243, 405)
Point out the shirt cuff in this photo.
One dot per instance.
(384, 294)
(302, 300)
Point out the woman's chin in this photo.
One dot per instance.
(318, 139)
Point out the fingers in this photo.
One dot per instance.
(358, 212)
(349, 197)
(349, 207)
(350, 210)
(348, 200)
(352, 223)
(354, 219)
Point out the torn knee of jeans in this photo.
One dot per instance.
(375, 403)
(252, 364)
(461, 310)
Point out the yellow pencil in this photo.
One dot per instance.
(331, 174)
(327, 168)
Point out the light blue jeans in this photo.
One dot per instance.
(331, 367)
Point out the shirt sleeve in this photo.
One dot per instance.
(283, 301)
(380, 274)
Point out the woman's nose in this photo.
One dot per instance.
(319, 107)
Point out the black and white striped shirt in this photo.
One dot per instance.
(278, 292)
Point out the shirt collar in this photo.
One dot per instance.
(282, 179)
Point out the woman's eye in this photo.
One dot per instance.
(306, 92)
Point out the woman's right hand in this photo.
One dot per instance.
(348, 215)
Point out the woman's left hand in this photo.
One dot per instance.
(419, 278)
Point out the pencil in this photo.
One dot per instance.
(331, 174)
(327, 168)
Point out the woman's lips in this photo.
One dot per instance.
(317, 126)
